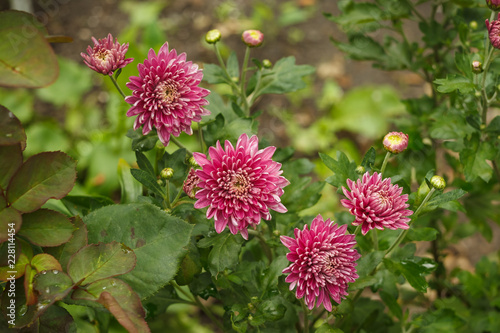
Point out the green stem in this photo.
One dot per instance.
(242, 83)
(384, 164)
(402, 235)
(167, 197)
(180, 145)
(262, 240)
(251, 97)
(200, 139)
(316, 318)
(233, 85)
(306, 312)
(117, 86)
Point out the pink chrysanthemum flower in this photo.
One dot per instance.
(494, 32)
(239, 184)
(166, 94)
(376, 203)
(106, 57)
(323, 262)
(395, 142)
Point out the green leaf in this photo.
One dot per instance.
(19, 268)
(143, 163)
(368, 262)
(213, 74)
(82, 205)
(286, 77)
(422, 234)
(369, 159)
(224, 253)
(130, 188)
(46, 227)
(56, 319)
(454, 82)
(10, 221)
(11, 129)
(26, 58)
(119, 299)
(392, 304)
(474, 157)
(494, 126)
(159, 241)
(52, 286)
(11, 158)
(363, 282)
(412, 272)
(149, 181)
(142, 142)
(361, 47)
(176, 161)
(64, 252)
(327, 328)
(233, 68)
(42, 177)
(443, 198)
(95, 262)
(342, 168)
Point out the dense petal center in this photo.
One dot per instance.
(236, 184)
(167, 92)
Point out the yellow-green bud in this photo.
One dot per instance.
(192, 162)
(213, 36)
(438, 182)
(482, 127)
(360, 170)
(473, 25)
(167, 173)
(477, 67)
(276, 233)
(267, 63)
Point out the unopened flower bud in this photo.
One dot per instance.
(473, 25)
(360, 170)
(477, 67)
(167, 173)
(192, 162)
(267, 63)
(494, 32)
(213, 36)
(482, 127)
(252, 38)
(190, 185)
(395, 142)
(493, 5)
(438, 182)
(276, 233)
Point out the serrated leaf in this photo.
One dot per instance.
(494, 126)
(361, 47)
(119, 299)
(454, 82)
(412, 272)
(362, 282)
(213, 74)
(233, 68)
(474, 157)
(443, 198)
(96, 262)
(42, 177)
(26, 58)
(286, 77)
(64, 252)
(46, 227)
(224, 253)
(342, 168)
(158, 241)
(422, 234)
(11, 129)
(369, 159)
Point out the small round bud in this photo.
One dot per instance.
(493, 5)
(252, 38)
(276, 233)
(160, 182)
(477, 67)
(267, 63)
(473, 25)
(213, 36)
(395, 142)
(482, 127)
(192, 162)
(167, 173)
(360, 170)
(438, 182)
(477, 94)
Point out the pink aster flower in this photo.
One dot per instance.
(494, 32)
(323, 262)
(395, 142)
(376, 203)
(166, 94)
(239, 184)
(106, 57)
